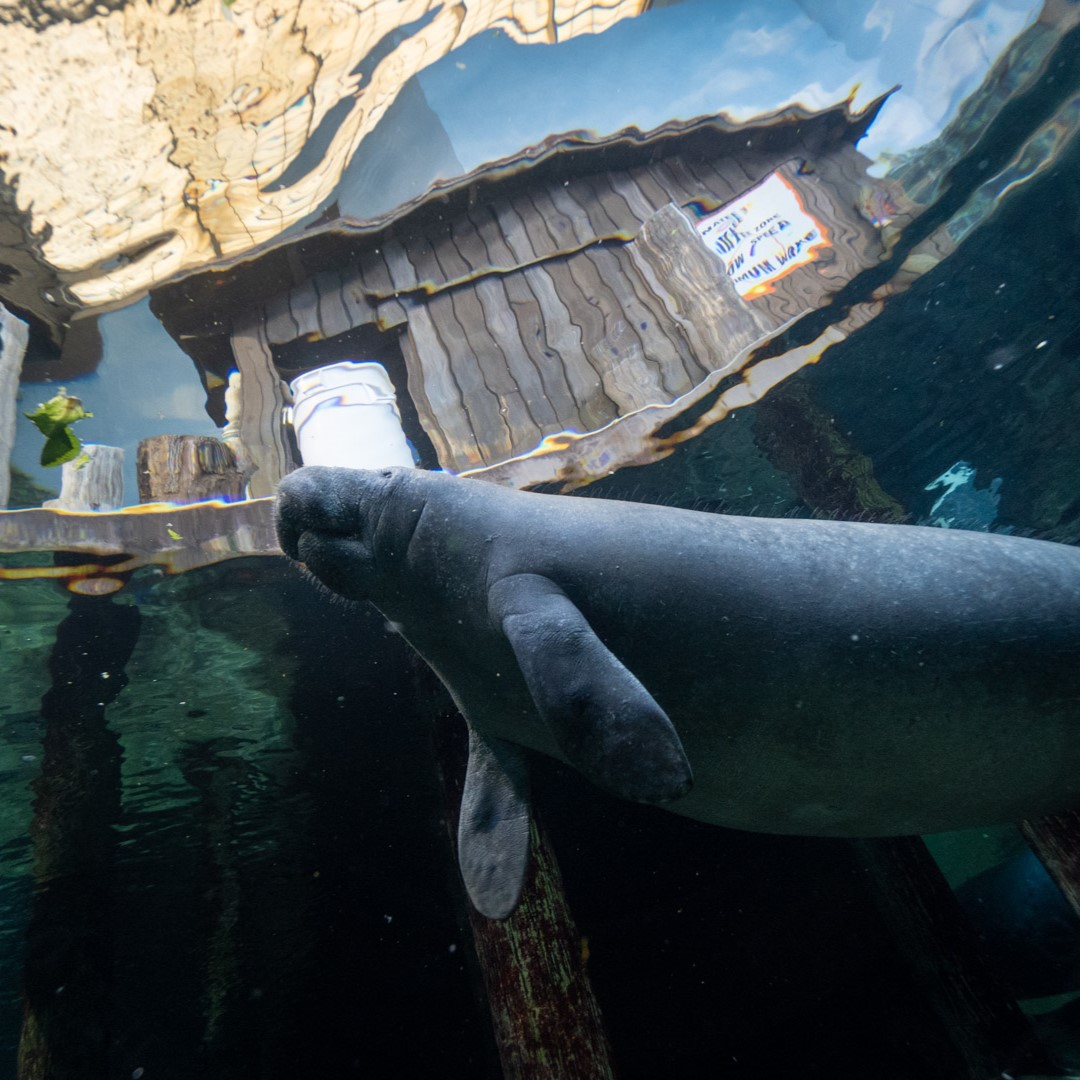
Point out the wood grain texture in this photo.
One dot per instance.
(546, 1018)
(1056, 840)
(696, 291)
(187, 468)
(262, 401)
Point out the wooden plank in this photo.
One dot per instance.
(629, 379)
(417, 380)
(359, 310)
(546, 1018)
(497, 252)
(717, 189)
(280, 325)
(569, 222)
(565, 338)
(13, 338)
(661, 341)
(391, 313)
(540, 351)
(581, 194)
(512, 226)
(625, 206)
(1056, 840)
(435, 257)
(670, 181)
(304, 305)
(398, 259)
(445, 407)
(262, 401)
(696, 291)
(334, 317)
(374, 270)
(584, 374)
(642, 178)
(478, 347)
(469, 245)
(490, 425)
(510, 335)
(637, 199)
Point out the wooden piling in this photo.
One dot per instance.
(534, 964)
(187, 468)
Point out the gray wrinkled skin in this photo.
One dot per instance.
(824, 678)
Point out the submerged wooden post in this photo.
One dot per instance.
(186, 469)
(546, 1018)
(986, 1027)
(67, 974)
(13, 337)
(1056, 840)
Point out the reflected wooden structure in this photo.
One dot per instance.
(524, 301)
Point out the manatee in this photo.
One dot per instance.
(790, 676)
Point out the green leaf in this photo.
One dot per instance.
(59, 447)
(52, 418)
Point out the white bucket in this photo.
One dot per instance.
(346, 414)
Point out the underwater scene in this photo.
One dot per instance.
(539, 539)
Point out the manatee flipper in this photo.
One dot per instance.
(605, 722)
(493, 827)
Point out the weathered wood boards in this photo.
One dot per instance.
(562, 303)
(260, 434)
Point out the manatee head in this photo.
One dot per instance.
(342, 524)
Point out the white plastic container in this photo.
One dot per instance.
(346, 414)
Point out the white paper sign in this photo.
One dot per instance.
(763, 235)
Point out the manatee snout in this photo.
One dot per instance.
(328, 501)
(324, 516)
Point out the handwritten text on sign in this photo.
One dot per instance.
(763, 235)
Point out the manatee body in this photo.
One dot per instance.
(777, 675)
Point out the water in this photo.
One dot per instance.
(224, 848)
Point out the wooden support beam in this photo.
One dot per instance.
(262, 401)
(546, 1018)
(68, 970)
(991, 1035)
(1056, 840)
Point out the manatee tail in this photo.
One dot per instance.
(605, 722)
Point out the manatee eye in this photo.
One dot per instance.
(386, 473)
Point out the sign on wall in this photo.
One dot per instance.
(763, 235)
